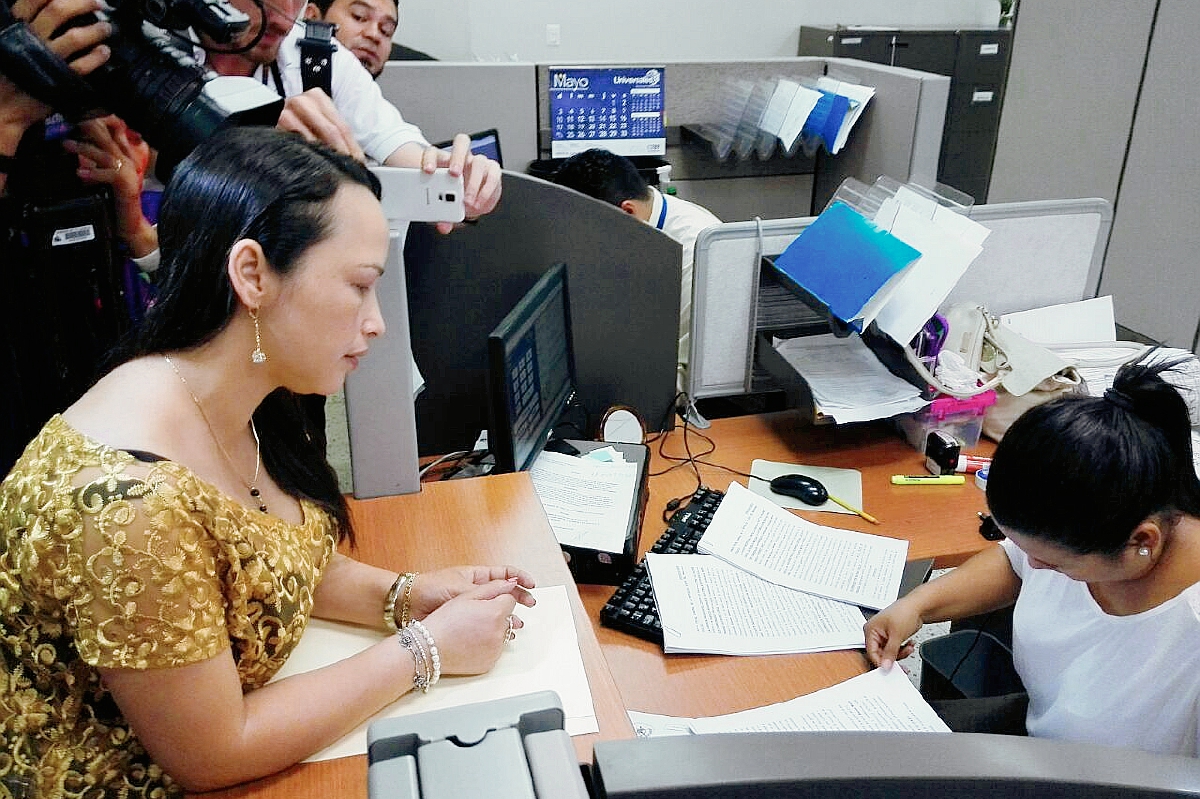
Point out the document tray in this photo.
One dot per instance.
(515, 747)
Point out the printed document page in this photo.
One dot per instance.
(707, 605)
(544, 655)
(871, 702)
(848, 382)
(587, 501)
(757, 535)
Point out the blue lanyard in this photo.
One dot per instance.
(662, 215)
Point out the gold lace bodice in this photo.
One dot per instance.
(108, 561)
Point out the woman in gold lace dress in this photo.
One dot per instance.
(165, 540)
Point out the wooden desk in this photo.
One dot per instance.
(938, 521)
(483, 520)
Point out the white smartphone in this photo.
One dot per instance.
(415, 196)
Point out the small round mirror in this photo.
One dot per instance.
(622, 425)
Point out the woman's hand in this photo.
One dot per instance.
(888, 633)
(110, 152)
(434, 589)
(472, 629)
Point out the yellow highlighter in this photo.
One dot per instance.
(927, 479)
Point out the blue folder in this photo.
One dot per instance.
(842, 260)
(825, 120)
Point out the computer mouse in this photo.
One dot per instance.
(808, 490)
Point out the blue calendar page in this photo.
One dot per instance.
(617, 108)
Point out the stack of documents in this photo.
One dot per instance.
(588, 499)
(847, 381)
(769, 582)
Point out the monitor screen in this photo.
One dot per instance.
(531, 372)
(617, 108)
(485, 142)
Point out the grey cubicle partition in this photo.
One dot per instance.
(623, 278)
(446, 98)
(1060, 242)
(1039, 253)
(380, 416)
(899, 134)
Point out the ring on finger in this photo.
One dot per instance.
(120, 163)
(510, 634)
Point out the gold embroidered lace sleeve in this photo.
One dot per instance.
(109, 561)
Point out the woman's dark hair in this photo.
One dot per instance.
(275, 188)
(1082, 472)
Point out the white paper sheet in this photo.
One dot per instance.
(802, 105)
(707, 605)
(1069, 323)
(848, 382)
(757, 535)
(545, 656)
(871, 702)
(587, 501)
(945, 256)
(654, 725)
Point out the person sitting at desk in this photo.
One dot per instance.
(1100, 501)
(615, 180)
(167, 538)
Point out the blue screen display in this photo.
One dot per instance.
(616, 108)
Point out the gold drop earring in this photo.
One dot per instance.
(257, 356)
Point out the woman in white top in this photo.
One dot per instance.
(1100, 501)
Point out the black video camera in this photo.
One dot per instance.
(151, 80)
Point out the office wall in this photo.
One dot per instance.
(1153, 267)
(1101, 103)
(1072, 87)
(494, 30)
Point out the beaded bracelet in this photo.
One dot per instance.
(433, 650)
(421, 672)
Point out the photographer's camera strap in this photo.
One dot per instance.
(316, 55)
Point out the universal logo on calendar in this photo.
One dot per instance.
(652, 78)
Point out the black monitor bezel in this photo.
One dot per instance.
(476, 136)
(500, 438)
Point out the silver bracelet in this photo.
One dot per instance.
(433, 650)
(410, 642)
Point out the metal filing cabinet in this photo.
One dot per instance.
(976, 62)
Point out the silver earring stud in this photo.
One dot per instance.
(257, 356)
(1144, 551)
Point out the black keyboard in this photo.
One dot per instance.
(632, 608)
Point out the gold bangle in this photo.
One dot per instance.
(389, 604)
(406, 601)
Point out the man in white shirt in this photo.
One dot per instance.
(615, 180)
(357, 119)
(364, 27)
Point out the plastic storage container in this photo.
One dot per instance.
(961, 418)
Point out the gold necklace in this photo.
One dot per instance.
(252, 485)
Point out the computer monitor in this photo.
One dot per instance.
(531, 371)
(620, 109)
(484, 142)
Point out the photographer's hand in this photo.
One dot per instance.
(109, 152)
(314, 116)
(81, 46)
